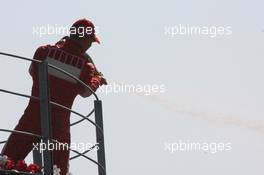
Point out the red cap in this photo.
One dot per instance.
(85, 23)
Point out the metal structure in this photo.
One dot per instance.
(46, 131)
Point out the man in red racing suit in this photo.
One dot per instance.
(68, 55)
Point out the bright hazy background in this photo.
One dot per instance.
(214, 86)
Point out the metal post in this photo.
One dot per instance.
(99, 136)
(45, 114)
(37, 157)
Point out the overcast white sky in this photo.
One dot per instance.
(214, 86)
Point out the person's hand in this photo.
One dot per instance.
(101, 79)
(90, 69)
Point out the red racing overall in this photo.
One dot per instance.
(63, 90)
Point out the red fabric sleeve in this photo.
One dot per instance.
(40, 54)
(88, 77)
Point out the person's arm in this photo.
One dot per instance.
(40, 54)
(90, 78)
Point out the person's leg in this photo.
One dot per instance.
(18, 146)
(61, 133)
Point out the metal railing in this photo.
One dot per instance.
(46, 131)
